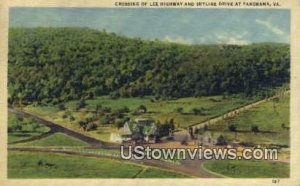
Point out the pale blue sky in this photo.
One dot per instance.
(192, 26)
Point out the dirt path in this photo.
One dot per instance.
(234, 112)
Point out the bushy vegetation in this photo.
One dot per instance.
(165, 128)
(57, 64)
(104, 111)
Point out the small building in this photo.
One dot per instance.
(137, 131)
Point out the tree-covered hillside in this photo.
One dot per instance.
(55, 64)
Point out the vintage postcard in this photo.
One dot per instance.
(150, 92)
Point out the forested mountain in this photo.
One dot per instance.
(55, 64)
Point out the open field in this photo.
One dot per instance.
(160, 110)
(42, 165)
(23, 128)
(248, 168)
(272, 119)
(56, 140)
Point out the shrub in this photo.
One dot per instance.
(91, 126)
(81, 123)
(197, 130)
(105, 120)
(232, 128)
(124, 109)
(179, 110)
(120, 122)
(196, 111)
(71, 118)
(61, 107)
(254, 129)
(221, 140)
(64, 116)
(136, 113)
(164, 129)
(205, 128)
(142, 109)
(80, 104)
(106, 109)
(40, 163)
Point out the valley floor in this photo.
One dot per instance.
(57, 140)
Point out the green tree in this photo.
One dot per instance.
(221, 140)
(81, 104)
(232, 128)
(179, 109)
(254, 129)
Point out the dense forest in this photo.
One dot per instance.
(57, 64)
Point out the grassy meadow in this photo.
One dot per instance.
(248, 168)
(56, 140)
(42, 165)
(23, 128)
(180, 110)
(272, 119)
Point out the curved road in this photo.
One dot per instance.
(188, 167)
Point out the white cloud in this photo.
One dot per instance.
(178, 39)
(269, 26)
(203, 39)
(232, 38)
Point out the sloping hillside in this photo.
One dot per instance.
(55, 64)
